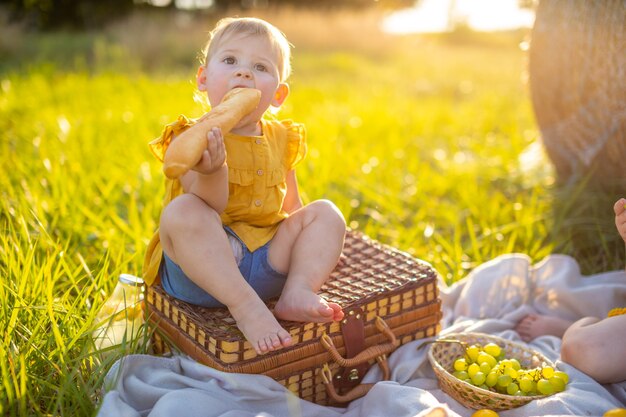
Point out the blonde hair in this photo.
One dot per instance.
(251, 26)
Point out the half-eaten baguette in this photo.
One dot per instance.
(186, 150)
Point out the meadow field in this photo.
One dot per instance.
(426, 143)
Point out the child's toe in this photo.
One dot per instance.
(274, 341)
(285, 338)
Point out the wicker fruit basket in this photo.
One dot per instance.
(443, 354)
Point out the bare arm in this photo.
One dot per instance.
(620, 217)
(209, 178)
(292, 199)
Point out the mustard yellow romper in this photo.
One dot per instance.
(257, 172)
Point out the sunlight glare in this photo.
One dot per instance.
(431, 16)
(491, 15)
(194, 4)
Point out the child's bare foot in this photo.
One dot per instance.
(300, 304)
(535, 325)
(260, 327)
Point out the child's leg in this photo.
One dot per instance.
(192, 235)
(597, 347)
(535, 325)
(308, 245)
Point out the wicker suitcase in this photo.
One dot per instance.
(389, 299)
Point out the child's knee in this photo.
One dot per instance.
(328, 211)
(185, 213)
(582, 351)
(569, 350)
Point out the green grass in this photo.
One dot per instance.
(418, 144)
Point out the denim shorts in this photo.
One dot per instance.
(254, 267)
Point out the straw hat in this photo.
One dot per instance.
(576, 67)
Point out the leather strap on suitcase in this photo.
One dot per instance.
(354, 368)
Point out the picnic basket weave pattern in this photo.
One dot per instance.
(443, 355)
(371, 280)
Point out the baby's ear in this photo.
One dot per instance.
(282, 91)
(201, 78)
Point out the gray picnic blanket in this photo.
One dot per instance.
(491, 299)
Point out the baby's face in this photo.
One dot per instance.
(242, 60)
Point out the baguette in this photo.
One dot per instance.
(185, 152)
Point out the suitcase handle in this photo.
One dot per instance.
(378, 352)
(368, 354)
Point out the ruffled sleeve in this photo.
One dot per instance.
(173, 188)
(159, 145)
(296, 143)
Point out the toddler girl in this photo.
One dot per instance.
(234, 231)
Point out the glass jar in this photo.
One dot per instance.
(121, 317)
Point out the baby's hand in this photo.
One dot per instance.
(214, 156)
(620, 217)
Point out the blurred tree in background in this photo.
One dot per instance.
(74, 14)
(393, 4)
(90, 14)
